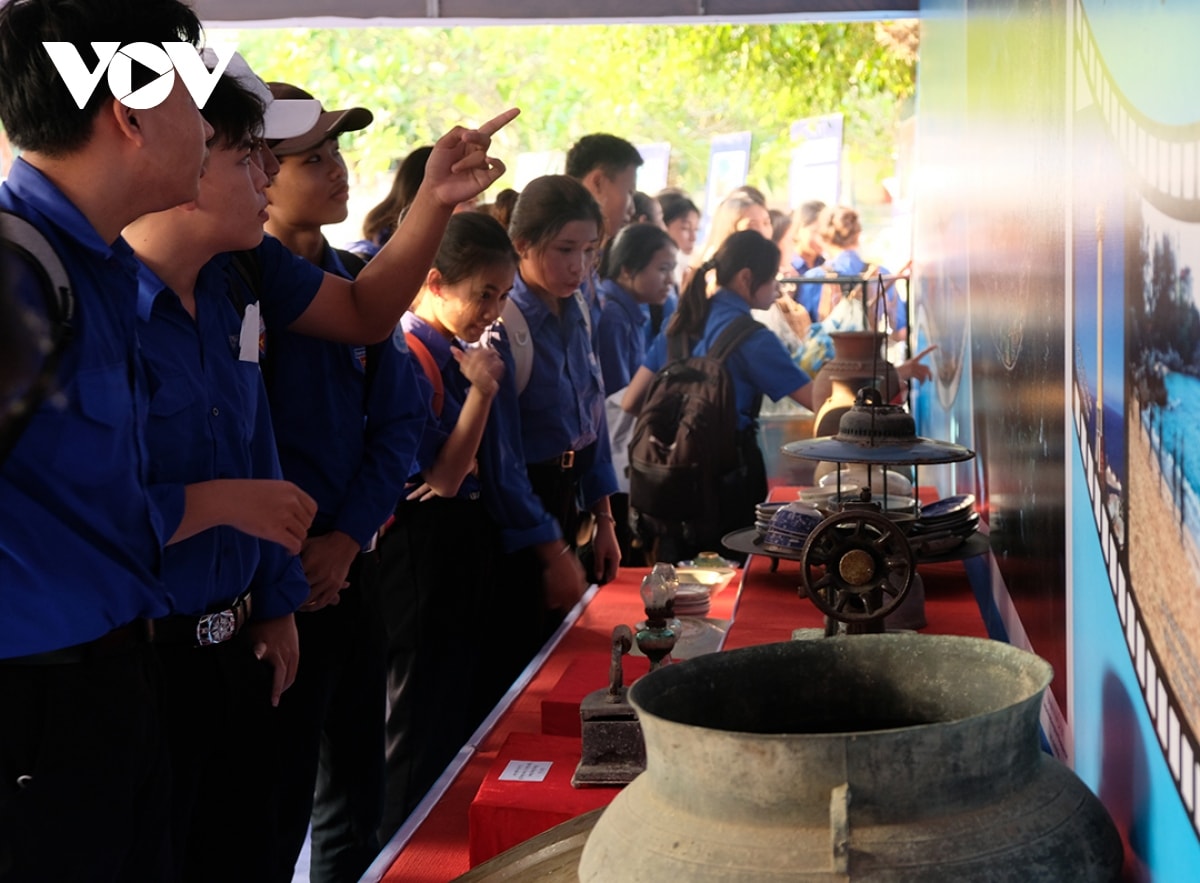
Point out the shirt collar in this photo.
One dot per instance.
(848, 263)
(149, 288)
(437, 345)
(331, 262)
(614, 291)
(212, 277)
(730, 300)
(33, 188)
(536, 312)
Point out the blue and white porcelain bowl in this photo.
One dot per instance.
(790, 527)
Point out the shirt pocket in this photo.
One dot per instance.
(99, 429)
(172, 396)
(545, 394)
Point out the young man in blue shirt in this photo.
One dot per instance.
(607, 166)
(231, 574)
(81, 751)
(348, 421)
(221, 415)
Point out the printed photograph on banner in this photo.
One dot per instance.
(1164, 443)
(1135, 371)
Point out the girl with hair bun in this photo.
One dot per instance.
(840, 228)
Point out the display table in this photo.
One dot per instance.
(479, 815)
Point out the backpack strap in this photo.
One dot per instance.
(735, 334)
(29, 245)
(520, 342)
(417, 347)
(586, 310)
(677, 347)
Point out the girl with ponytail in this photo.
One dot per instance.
(745, 266)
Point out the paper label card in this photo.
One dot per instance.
(526, 771)
(248, 339)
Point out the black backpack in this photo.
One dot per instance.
(685, 440)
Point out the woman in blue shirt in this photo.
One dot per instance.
(840, 229)
(639, 275)
(450, 624)
(745, 267)
(556, 228)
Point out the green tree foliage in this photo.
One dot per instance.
(680, 84)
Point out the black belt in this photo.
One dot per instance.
(200, 631)
(106, 645)
(564, 462)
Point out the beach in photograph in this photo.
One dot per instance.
(1164, 572)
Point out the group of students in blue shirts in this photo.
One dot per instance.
(157, 546)
(292, 523)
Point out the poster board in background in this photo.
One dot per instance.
(652, 173)
(728, 164)
(816, 167)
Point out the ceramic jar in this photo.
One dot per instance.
(857, 362)
(868, 757)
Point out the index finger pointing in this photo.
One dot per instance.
(496, 123)
(923, 353)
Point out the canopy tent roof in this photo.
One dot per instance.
(314, 13)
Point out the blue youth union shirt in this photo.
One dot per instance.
(80, 539)
(562, 407)
(761, 365)
(502, 483)
(621, 338)
(209, 420)
(348, 444)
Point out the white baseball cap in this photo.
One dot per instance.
(282, 118)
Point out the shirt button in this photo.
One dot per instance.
(216, 412)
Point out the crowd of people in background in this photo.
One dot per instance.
(297, 516)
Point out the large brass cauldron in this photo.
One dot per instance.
(872, 757)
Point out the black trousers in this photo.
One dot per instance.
(84, 774)
(330, 737)
(436, 583)
(217, 716)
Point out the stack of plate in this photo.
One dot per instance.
(692, 599)
(945, 524)
(763, 513)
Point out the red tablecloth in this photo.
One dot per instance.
(765, 608)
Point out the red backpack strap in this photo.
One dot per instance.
(417, 347)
